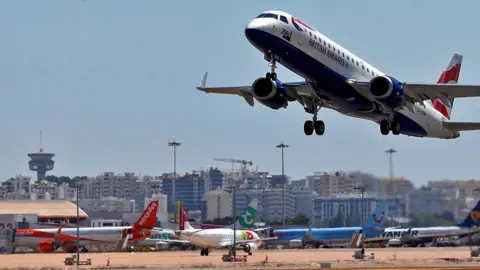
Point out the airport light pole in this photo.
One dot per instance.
(390, 152)
(233, 249)
(77, 188)
(282, 146)
(174, 144)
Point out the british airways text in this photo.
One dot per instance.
(332, 55)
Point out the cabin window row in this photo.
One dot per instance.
(342, 53)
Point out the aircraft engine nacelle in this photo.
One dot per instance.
(247, 248)
(46, 246)
(296, 243)
(388, 91)
(270, 93)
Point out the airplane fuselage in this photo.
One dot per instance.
(213, 238)
(102, 235)
(327, 67)
(423, 233)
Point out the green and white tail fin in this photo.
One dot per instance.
(247, 218)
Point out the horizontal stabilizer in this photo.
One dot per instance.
(461, 126)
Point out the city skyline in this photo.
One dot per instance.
(115, 86)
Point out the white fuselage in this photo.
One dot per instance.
(421, 232)
(216, 238)
(342, 62)
(104, 235)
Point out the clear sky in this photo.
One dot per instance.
(110, 82)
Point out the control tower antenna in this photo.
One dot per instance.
(41, 148)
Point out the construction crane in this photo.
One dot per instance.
(243, 168)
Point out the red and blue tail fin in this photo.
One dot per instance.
(473, 218)
(449, 75)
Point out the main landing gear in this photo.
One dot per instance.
(316, 125)
(204, 252)
(393, 125)
(272, 64)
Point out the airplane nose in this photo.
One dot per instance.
(257, 29)
(255, 24)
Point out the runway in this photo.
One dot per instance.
(392, 258)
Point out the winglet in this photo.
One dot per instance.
(203, 83)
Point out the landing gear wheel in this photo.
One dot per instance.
(384, 127)
(274, 76)
(308, 128)
(319, 127)
(204, 252)
(311, 125)
(396, 128)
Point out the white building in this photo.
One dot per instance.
(270, 207)
(16, 188)
(218, 204)
(162, 214)
(349, 205)
(426, 200)
(107, 204)
(304, 201)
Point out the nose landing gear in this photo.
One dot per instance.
(272, 63)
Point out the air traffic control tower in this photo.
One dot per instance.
(41, 162)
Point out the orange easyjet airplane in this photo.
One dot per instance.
(48, 240)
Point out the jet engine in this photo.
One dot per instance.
(247, 248)
(296, 243)
(387, 91)
(270, 93)
(46, 246)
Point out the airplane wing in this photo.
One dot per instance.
(173, 241)
(294, 89)
(461, 126)
(227, 243)
(421, 92)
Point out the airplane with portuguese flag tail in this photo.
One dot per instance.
(222, 237)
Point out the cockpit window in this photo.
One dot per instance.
(261, 15)
(270, 15)
(283, 19)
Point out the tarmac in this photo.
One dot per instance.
(387, 258)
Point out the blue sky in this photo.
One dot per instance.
(111, 82)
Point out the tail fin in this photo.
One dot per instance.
(449, 75)
(473, 218)
(183, 223)
(247, 218)
(148, 219)
(375, 222)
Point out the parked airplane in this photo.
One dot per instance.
(331, 236)
(337, 79)
(48, 240)
(219, 238)
(422, 236)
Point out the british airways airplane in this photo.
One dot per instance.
(337, 79)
